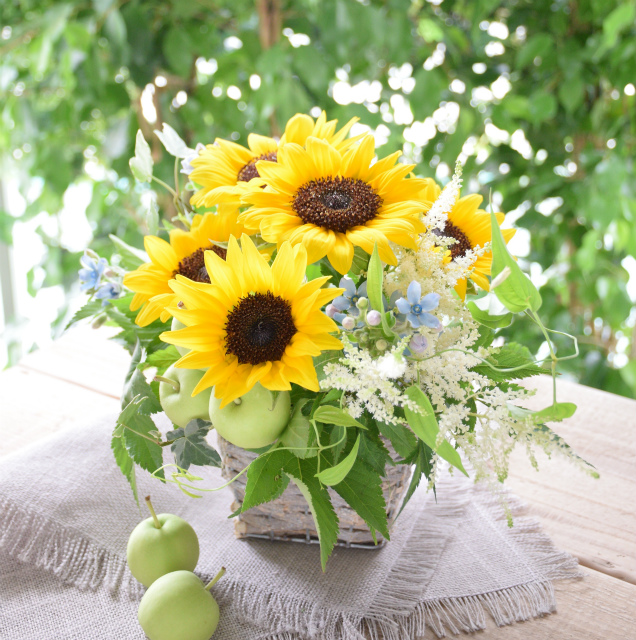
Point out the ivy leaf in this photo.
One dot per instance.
(483, 317)
(333, 415)
(303, 474)
(362, 490)
(125, 463)
(265, 478)
(516, 292)
(425, 427)
(89, 310)
(190, 446)
(511, 356)
(336, 474)
(402, 439)
(141, 164)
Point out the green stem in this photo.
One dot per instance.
(216, 578)
(553, 355)
(165, 186)
(173, 383)
(152, 513)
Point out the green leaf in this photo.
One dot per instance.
(125, 463)
(509, 358)
(571, 93)
(425, 427)
(303, 474)
(374, 453)
(161, 359)
(299, 434)
(141, 165)
(402, 439)
(516, 292)
(336, 474)
(483, 317)
(190, 446)
(362, 490)
(265, 478)
(375, 275)
(360, 262)
(554, 413)
(621, 18)
(422, 468)
(141, 446)
(325, 358)
(332, 415)
(562, 444)
(136, 385)
(89, 310)
(338, 438)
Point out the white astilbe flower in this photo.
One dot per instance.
(471, 409)
(437, 215)
(391, 366)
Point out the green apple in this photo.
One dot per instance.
(175, 326)
(159, 545)
(253, 420)
(175, 395)
(178, 606)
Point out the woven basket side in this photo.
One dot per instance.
(289, 518)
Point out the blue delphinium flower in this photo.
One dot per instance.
(395, 296)
(108, 291)
(346, 303)
(91, 275)
(416, 308)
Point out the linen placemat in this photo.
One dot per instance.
(66, 510)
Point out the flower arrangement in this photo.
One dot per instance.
(328, 311)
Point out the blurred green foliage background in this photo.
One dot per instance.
(536, 96)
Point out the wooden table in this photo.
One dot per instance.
(81, 375)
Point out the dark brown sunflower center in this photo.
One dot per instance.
(458, 249)
(336, 203)
(193, 266)
(249, 171)
(259, 328)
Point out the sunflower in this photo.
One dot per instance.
(471, 227)
(332, 201)
(182, 255)
(224, 169)
(254, 323)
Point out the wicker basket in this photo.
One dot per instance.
(288, 518)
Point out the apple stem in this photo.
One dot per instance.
(216, 578)
(152, 513)
(238, 401)
(173, 383)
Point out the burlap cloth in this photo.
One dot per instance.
(66, 513)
